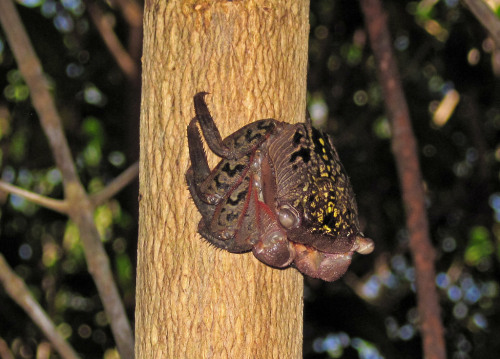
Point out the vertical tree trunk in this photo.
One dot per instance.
(194, 301)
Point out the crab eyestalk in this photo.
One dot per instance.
(363, 245)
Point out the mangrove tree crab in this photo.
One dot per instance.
(279, 191)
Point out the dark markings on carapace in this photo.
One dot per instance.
(296, 138)
(329, 220)
(266, 125)
(218, 183)
(241, 195)
(232, 216)
(318, 147)
(232, 171)
(303, 153)
(249, 138)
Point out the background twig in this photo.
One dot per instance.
(18, 291)
(5, 352)
(132, 12)
(53, 204)
(485, 15)
(116, 185)
(404, 147)
(109, 37)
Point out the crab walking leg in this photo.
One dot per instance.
(198, 171)
(210, 130)
(199, 163)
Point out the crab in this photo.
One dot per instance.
(279, 191)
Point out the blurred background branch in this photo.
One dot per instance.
(132, 12)
(487, 17)
(53, 204)
(60, 206)
(5, 352)
(104, 25)
(116, 185)
(404, 148)
(14, 285)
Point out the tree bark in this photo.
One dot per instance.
(194, 301)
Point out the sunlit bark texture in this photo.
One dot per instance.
(194, 301)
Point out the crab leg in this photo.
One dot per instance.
(198, 171)
(210, 130)
(199, 164)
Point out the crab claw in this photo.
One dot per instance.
(273, 247)
(325, 266)
(275, 250)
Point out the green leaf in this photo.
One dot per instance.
(479, 246)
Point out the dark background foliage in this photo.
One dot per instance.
(443, 54)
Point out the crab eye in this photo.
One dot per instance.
(364, 245)
(288, 217)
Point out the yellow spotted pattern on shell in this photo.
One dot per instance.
(328, 199)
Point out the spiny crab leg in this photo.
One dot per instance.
(210, 130)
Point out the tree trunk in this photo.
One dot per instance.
(194, 301)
